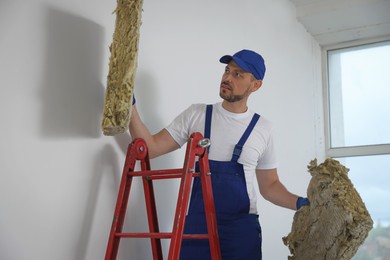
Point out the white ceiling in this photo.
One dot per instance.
(336, 21)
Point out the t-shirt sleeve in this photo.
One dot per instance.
(268, 159)
(184, 124)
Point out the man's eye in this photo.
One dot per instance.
(238, 74)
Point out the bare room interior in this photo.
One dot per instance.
(325, 92)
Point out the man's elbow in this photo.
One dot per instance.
(269, 191)
(266, 195)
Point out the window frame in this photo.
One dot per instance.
(347, 151)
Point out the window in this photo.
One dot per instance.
(358, 130)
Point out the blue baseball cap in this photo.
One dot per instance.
(249, 61)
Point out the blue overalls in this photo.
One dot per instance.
(239, 232)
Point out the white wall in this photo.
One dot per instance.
(59, 175)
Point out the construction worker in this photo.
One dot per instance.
(241, 156)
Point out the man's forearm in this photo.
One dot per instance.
(137, 127)
(279, 195)
(273, 190)
(158, 144)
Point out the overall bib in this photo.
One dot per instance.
(239, 232)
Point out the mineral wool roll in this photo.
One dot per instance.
(122, 67)
(336, 223)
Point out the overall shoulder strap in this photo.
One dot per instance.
(238, 148)
(207, 125)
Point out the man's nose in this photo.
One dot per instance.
(228, 77)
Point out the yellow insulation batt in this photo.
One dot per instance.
(336, 223)
(122, 67)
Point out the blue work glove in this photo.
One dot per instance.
(302, 202)
(133, 99)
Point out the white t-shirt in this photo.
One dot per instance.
(226, 130)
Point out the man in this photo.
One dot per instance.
(241, 152)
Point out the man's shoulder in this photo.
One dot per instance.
(265, 124)
(194, 109)
(263, 120)
(197, 107)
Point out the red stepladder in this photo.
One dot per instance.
(138, 151)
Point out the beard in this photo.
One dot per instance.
(233, 98)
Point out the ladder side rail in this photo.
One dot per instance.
(121, 205)
(151, 205)
(210, 213)
(183, 198)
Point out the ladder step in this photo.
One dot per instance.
(157, 172)
(161, 235)
(160, 177)
(162, 174)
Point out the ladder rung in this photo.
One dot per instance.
(161, 174)
(160, 177)
(161, 235)
(156, 172)
(145, 235)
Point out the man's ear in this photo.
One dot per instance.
(257, 84)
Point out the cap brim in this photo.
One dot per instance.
(242, 64)
(225, 59)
